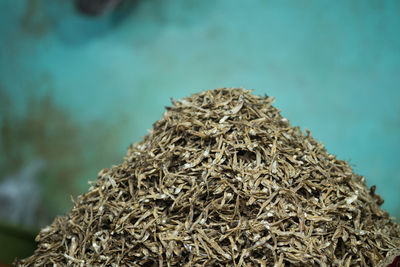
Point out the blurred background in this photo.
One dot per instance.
(81, 80)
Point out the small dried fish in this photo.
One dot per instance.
(223, 180)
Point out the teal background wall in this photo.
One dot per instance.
(76, 91)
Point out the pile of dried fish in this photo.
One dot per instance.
(223, 180)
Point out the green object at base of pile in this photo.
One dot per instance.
(16, 242)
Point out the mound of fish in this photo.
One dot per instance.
(223, 179)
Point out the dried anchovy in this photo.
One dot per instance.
(223, 180)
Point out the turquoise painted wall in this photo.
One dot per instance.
(76, 91)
